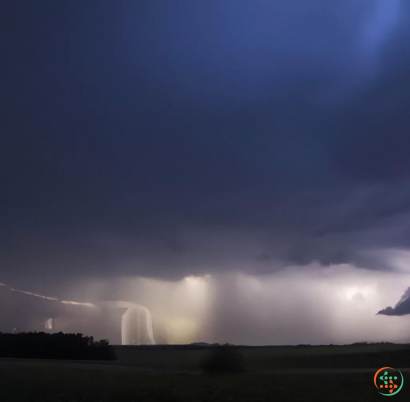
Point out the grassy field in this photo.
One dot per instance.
(266, 359)
(173, 375)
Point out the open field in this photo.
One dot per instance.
(173, 375)
(269, 358)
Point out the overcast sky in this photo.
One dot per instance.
(164, 139)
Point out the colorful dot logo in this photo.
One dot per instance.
(388, 381)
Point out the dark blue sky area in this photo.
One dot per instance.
(166, 138)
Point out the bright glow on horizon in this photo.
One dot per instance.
(183, 330)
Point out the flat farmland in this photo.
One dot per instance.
(172, 374)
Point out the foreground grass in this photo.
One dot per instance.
(23, 381)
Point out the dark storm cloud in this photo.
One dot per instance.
(175, 138)
(401, 308)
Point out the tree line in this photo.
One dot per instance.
(41, 345)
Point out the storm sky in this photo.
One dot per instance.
(168, 139)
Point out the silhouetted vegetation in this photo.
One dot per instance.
(223, 359)
(40, 345)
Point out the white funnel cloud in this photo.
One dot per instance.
(136, 324)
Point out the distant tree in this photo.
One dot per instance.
(223, 359)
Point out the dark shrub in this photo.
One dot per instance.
(223, 359)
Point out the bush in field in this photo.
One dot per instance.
(223, 359)
(40, 345)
